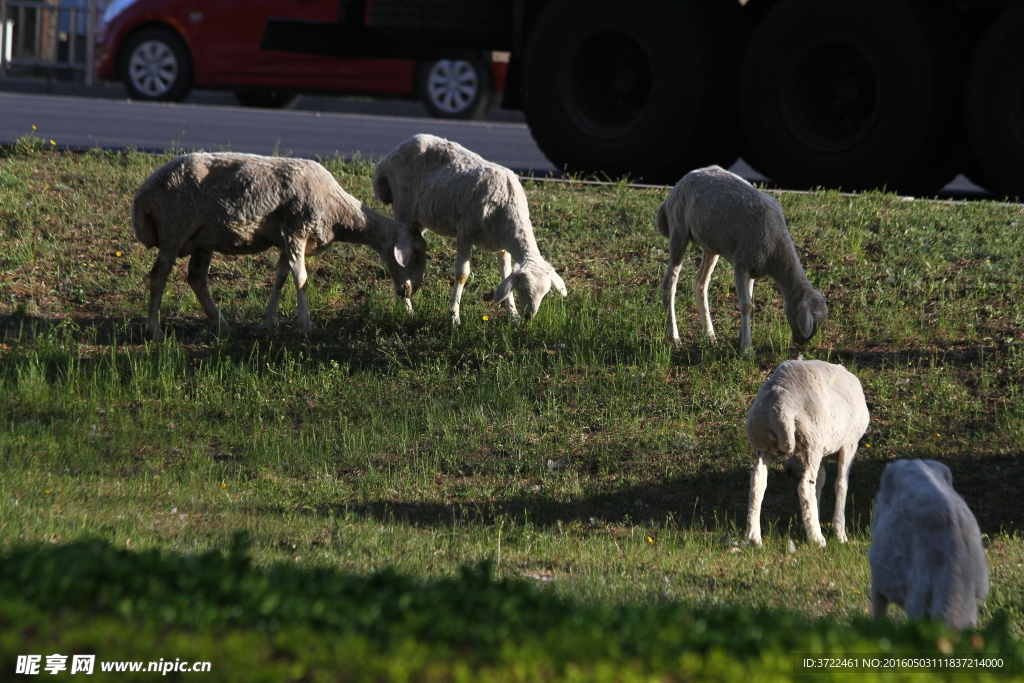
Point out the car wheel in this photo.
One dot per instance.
(995, 105)
(626, 90)
(853, 94)
(267, 99)
(156, 66)
(455, 88)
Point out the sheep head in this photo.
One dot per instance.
(806, 315)
(406, 260)
(532, 281)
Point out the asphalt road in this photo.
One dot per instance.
(86, 122)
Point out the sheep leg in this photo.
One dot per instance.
(846, 454)
(677, 243)
(700, 292)
(284, 267)
(758, 484)
(808, 504)
(505, 266)
(744, 293)
(463, 249)
(819, 484)
(298, 258)
(157, 283)
(879, 604)
(198, 280)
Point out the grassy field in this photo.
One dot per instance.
(578, 450)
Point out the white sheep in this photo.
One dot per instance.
(811, 410)
(198, 204)
(441, 186)
(926, 554)
(726, 216)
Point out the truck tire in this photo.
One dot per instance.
(851, 94)
(622, 90)
(156, 66)
(995, 105)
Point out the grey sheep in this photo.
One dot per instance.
(440, 186)
(926, 553)
(726, 216)
(811, 410)
(228, 203)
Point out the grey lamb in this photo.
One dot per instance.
(926, 553)
(443, 187)
(811, 410)
(228, 203)
(726, 216)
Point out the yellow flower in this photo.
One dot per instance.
(650, 540)
(117, 253)
(34, 128)
(52, 142)
(223, 485)
(487, 317)
(46, 491)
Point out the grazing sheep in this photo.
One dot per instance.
(926, 554)
(441, 186)
(198, 204)
(812, 410)
(726, 216)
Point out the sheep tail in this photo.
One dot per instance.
(144, 225)
(662, 220)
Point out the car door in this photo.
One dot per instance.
(228, 35)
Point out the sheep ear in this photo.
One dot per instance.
(557, 282)
(403, 248)
(804, 319)
(504, 290)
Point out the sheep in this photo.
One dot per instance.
(229, 203)
(438, 185)
(926, 554)
(811, 410)
(726, 216)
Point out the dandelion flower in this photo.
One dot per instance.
(52, 142)
(487, 317)
(650, 540)
(117, 253)
(46, 491)
(223, 484)
(34, 128)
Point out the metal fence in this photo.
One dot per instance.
(45, 35)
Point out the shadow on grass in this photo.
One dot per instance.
(714, 501)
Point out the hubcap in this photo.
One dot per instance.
(452, 85)
(153, 68)
(830, 98)
(607, 85)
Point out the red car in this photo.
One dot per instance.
(161, 49)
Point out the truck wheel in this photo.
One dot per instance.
(851, 94)
(995, 104)
(156, 66)
(455, 88)
(618, 89)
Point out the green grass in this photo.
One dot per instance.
(578, 451)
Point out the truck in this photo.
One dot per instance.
(856, 95)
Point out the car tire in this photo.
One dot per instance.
(267, 99)
(994, 105)
(156, 66)
(455, 88)
(619, 90)
(852, 94)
